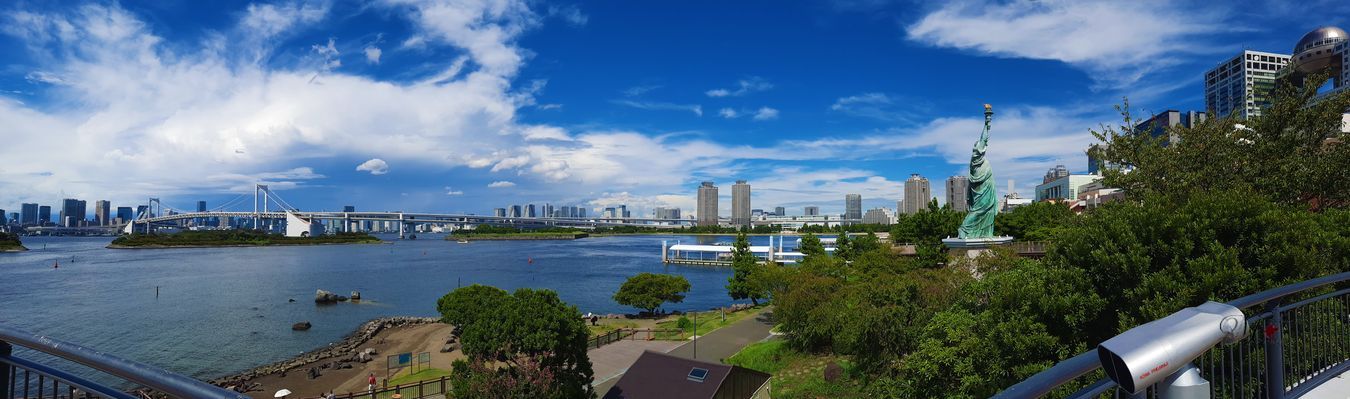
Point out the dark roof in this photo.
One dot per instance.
(660, 376)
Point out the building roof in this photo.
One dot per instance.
(660, 376)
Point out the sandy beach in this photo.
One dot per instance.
(414, 338)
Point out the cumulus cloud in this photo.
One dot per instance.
(375, 166)
(765, 113)
(137, 107)
(728, 113)
(569, 13)
(501, 184)
(373, 54)
(1118, 42)
(743, 87)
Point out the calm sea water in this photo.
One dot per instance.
(224, 310)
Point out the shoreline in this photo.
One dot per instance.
(348, 346)
(162, 246)
(562, 237)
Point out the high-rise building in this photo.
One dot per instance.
(201, 206)
(581, 212)
(13, 217)
(529, 211)
(28, 214)
(1054, 173)
(1156, 126)
(667, 213)
(499, 212)
(707, 204)
(124, 214)
(72, 212)
(349, 208)
(4, 218)
(142, 211)
(917, 193)
(103, 209)
(878, 216)
(621, 211)
(956, 193)
(740, 204)
(514, 211)
(548, 211)
(44, 215)
(853, 206)
(811, 211)
(779, 211)
(1244, 84)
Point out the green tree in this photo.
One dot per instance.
(648, 291)
(926, 229)
(1036, 221)
(529, 337)
(811, 246)
(744, 264)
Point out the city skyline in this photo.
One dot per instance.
(560, 134)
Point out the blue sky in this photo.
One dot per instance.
(463, 106)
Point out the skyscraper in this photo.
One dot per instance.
(740, 204)
(779, 211)
(44, 215)
(811, 211)
(142, 211)
(1244, 84)
(124, 213)
(28, 214)
(548, 211)
(513, 211)
(1055, 173)
(102, 209)
(853, 206)
(4, 218)
(499, 212)
(917, 193)
(72, 212)
(707, 204)
(956, 193)
(529, 211)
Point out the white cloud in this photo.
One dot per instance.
(662, 106)
(569, 13)
(375, 166)
(743, 87)
(1117, 42)
(45, 77)
(136, 108)
(639, 90)
(727, 113)
(501, 184)
(330, 54)
(540, 132)
(373, 54)
(452, 192)
(549, 106)
(765, 113)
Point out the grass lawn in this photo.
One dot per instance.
(797, 374)
(609, 325)
(422, 375)
(707, 322)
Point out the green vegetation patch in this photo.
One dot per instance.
(797, 374)
(10, 242)
(210, 238)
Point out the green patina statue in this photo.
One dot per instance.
(980, 196)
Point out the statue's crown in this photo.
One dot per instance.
(988, 108)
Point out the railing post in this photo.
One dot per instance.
(5, 351)
(1274, 352)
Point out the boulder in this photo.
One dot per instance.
(322, 296)
(301, 326)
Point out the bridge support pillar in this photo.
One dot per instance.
(401, 227)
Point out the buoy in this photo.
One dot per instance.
(56, 265)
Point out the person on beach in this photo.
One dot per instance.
(371, 380)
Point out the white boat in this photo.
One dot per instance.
(463, 241)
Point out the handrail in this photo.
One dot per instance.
(1045, 381)
(175, 385)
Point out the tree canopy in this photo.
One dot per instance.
(649, 291)
(744, 265)
(526, 344)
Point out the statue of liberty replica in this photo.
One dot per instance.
(977, 231)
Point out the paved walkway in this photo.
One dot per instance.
(713, 347)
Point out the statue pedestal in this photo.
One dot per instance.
(971, 248)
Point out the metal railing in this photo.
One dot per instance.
(634, 334)
(1299, 337)
(433, 388)
(27, 378)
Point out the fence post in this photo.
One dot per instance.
(419, 390)
(1274, 352)
(5, 351)
(443, 392)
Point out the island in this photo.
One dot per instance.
(233, 238)
(9, 242)
(486, 232)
